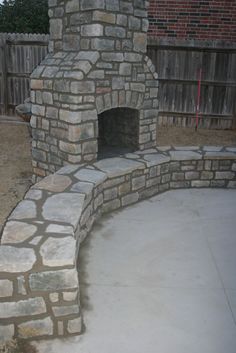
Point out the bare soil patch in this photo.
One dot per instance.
(189, 137)
(15, 166)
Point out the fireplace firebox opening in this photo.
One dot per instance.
(118, 131)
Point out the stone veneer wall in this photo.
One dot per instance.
(97, 62)
(39, 288)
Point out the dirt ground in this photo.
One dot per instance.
(15, 166)
(176, 136)
(15, 158)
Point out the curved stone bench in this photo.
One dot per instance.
(39, 288)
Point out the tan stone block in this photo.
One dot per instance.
(54, 183)
(36, 84)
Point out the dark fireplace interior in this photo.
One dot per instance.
(118, 132)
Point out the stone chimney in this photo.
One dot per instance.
(96, 87)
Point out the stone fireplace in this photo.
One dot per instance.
(95, 94)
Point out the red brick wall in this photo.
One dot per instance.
(197, 19)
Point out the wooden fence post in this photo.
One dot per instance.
(4, 77)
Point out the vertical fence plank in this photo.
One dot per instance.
(4, 78)
(19, 55)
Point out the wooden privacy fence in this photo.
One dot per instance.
(19, 55)
(178, 63)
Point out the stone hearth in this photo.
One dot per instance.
(96, 69)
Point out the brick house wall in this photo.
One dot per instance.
(193, 19)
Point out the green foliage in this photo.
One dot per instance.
(24, 16)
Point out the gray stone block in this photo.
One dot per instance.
(22, 308)
(38, 110)
(113, 182)
(92, 30)
(104, 17)
(75, 325)
(54, 280)
(118, 166)
(65, 310)
(70, 296)
(118, 57)
(138, 183)
(217, 183)
(97, 74)
(76, 75)
(36, 328)
(224, 175)
(121, 19)
(21, 287)
(111, 206)
(92, 4)
(71, 42)
(58, 252)
(165, 178)
(134, 23)
(82, 187)
(177, 176)
(175, 166)
(133, 57)
(207, 175)
(179, 184)
(110, 194)
(185, 155)
(200, 183)
(16, 232)
(72, 6)
(6, 332)
(34, 194)
(61, 86)
(129, 199)
(15, 259)
(47, 98)
(50, 71)
(140, 42)
(102, 44)
(64, 207)
(71, 148)
(219, 155)
(56, 28)
(83, 87)
(125, 69)
(94, 176)
(6, 289)
(54, 297)
(89, 147)
(155, 159)
(115, 31)
(191, 175)
(126, 7)
(118, 83)
(39, 155)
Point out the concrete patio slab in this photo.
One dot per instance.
(159, 276)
